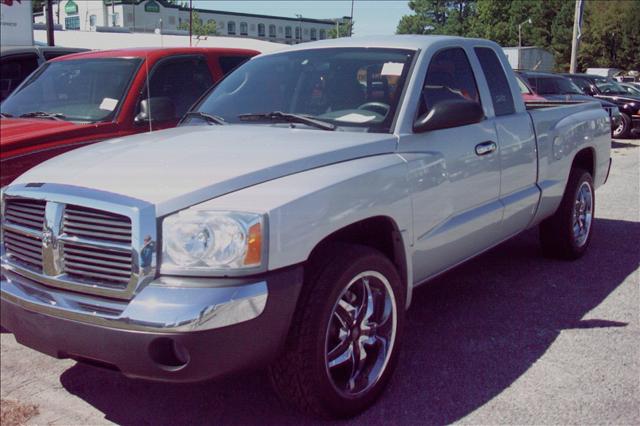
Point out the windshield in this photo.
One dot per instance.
(351, 88)
(75, 90)
(557, 86)
(609, 87)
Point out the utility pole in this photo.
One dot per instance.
(577, 24)
(50, 40)
(351, 20)
(190, 20)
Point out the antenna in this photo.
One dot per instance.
(146, 61)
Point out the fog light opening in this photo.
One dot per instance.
(168, 354)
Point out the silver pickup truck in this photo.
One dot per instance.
(289, 218)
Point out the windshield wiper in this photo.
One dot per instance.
(209, 118)
(42, 114)
(288, 118)
(5, 115)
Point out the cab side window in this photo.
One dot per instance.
(229, 63)
(449, 77)
(182, 80)
(501, 96)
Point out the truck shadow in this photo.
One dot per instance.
(471, 333)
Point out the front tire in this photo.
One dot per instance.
(345, 336)
(566, 234)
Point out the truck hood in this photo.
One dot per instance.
(22, 134)
(180, 167)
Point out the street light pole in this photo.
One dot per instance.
(299, 40)
(528, 21)
(520, 40)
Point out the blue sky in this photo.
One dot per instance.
(371, 17)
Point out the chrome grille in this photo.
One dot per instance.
(25, 249)
(110, 265)
(25, 212)
(80, 240)
(89, 264)
(84, 222)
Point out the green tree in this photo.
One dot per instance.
(37, 5)
(437, 17)
(198, 27)
(344, 30)
(610, 35)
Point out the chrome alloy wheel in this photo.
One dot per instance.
(619, 129)
(361, 334)
(582, 214)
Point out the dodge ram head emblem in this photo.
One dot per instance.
(47, 238)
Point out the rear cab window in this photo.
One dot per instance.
(501, 95)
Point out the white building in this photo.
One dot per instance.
(160, 15)
(530, 58)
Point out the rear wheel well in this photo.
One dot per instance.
(379, 232)
(585, 159)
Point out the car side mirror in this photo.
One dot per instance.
(449, 113)
(591, 91)
(155, 109)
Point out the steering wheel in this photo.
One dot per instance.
(377, 107)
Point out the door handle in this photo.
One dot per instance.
(485, 148)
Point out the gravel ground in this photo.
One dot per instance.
(508, 338)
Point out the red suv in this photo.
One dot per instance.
(87, 97)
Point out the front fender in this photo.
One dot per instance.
(304, 208)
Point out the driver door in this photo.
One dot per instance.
(454, 174)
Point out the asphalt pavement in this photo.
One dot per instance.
(508, 338)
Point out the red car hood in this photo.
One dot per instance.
(21, 135)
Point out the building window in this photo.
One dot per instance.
(72, 23)
(93, 20)
(231, 28)
(323, 34)
(314, 34)
(244, 28)
(272, 31)
(287, 32)
(261, 32)
(298, 33)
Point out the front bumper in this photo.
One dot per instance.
(178, 329)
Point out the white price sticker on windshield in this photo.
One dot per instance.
(392, 68)
(355, 118)
(108, 104)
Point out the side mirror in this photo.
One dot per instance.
(449, 113)
(155, 109)
(592, 91)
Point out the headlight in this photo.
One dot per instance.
(212, 242)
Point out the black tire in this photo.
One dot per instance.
(557, 236)
(623, 130)
(301, 376)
